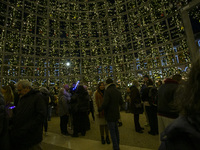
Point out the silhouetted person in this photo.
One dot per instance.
(27, 128)
(111, 105)
(184, 132)
(4, 123)
(136, 105)
(167, 113)
(63, 110)
(79, 109)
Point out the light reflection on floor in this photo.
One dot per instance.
(62, 142)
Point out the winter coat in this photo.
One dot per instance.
(27, 127)
(166, 98)
(99, 102)
(80, 102)
(182, 134)
(63, 104)
(45, 95)
(145, 93)
(2, 114)
(4, 121)
(135, 99)
(112, 101)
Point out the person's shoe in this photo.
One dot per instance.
(152, 133)
(107, 140)
(156, 133)
(83, 133)
(140, 131)
(74, 135)
(102, 140)
(119, 124)
(67, 134)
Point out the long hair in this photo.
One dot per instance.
(99, 84)
(8, 94)
(135, 83)
(188, 94)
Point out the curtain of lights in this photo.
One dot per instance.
(99, 39)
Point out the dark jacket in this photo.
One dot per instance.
(45, 95)
(135, 99)
(166, 98)
(182, 134)
(80, 102)
(4, 121)
(2, 114)
(28, 121)
(145, 94)
(112, 101)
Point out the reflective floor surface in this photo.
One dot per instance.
(53, 141)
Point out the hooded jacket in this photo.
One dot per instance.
(182, 134)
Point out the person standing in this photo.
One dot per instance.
(9, 99)
(127, 100)
(79, 109)
(63, 110)
(184, 132)
(4, 124)
(143, 88)
(150, 100)
(167, 113)
(45, 94)
(100, 115)
(91, 109)
(136, 101)
(111, 105)
(27, 127)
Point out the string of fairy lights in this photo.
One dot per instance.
(100, 39)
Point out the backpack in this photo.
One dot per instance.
(153, 96)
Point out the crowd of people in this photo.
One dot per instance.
(171, 108)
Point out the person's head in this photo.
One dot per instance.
(73, 85)
(177, 77)
(159, 83)
(149, 82)
(135, 83)
(85, 86)
(61, 92)
(109, 81)
(44, 90)
(80, 89)
(7, 93)
(146, 77)
(128, 90)
(23, 87)
(101, 86)
(188, 97)
(66, 87)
